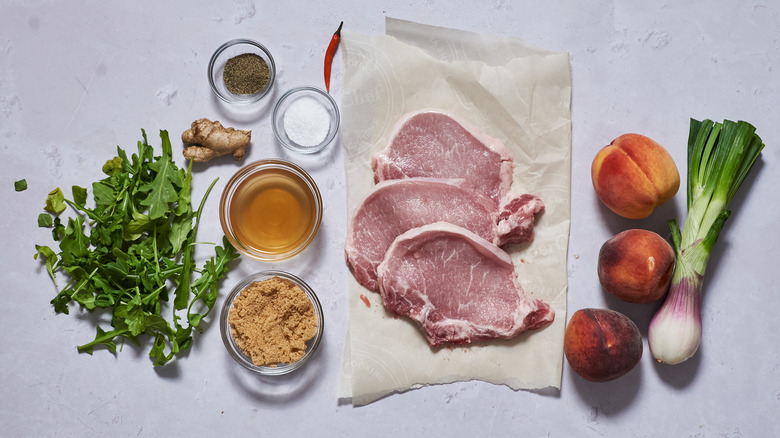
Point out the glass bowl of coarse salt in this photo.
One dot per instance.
(271, 322)
(306, 119)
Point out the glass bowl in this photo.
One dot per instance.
(271, 210)
(229, 50)
(230, 343)
(302, 125)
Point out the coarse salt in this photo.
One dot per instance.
(306, 122)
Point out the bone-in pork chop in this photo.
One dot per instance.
(434, 144)
(394, 207)
(457, 286)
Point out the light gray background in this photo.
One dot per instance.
(78, 79)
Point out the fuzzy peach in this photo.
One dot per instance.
(633, 175)
(601, 344)
(636, 265)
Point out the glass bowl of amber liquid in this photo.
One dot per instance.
(241, 71)
(271, 210)
(230, 333)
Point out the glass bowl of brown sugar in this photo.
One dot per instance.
(271, 323)
(241, 71)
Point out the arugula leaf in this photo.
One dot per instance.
(184, 203)
(157, 353)
(50, 257)
(57, 230)
(136, 318)
(183, 289)
(45, 220)
(113, 166)
(123, 255)
(103, 338)
(206, 285)
(55, 202)
(180, 232)
(103, 194)
(75, 243)
(162, 189)
(135, 227)
(79, 195)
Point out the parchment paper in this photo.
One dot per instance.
(515, 93)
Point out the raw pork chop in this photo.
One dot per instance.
(459, 287)
(394, 207)
(434, 144)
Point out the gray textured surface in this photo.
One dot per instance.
(78, 79)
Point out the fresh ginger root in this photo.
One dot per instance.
(207, 140)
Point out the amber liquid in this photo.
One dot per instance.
(273, 212)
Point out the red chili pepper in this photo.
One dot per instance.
(334, 43)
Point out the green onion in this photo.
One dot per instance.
(720, 156)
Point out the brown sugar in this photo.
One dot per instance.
(271, 321)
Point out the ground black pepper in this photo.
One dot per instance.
(247, 73)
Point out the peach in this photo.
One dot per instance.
(601, 344)
(633, 175)
(636, 266)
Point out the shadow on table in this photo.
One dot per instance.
(279, 389)
(680, 375)
(611, 397)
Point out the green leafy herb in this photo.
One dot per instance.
(45, 220)
(20, 185)
(55, 202)
(79, 195)
(124, 254)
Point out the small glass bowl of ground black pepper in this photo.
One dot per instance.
(306, 119)
(271, 323)
(241, 71)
